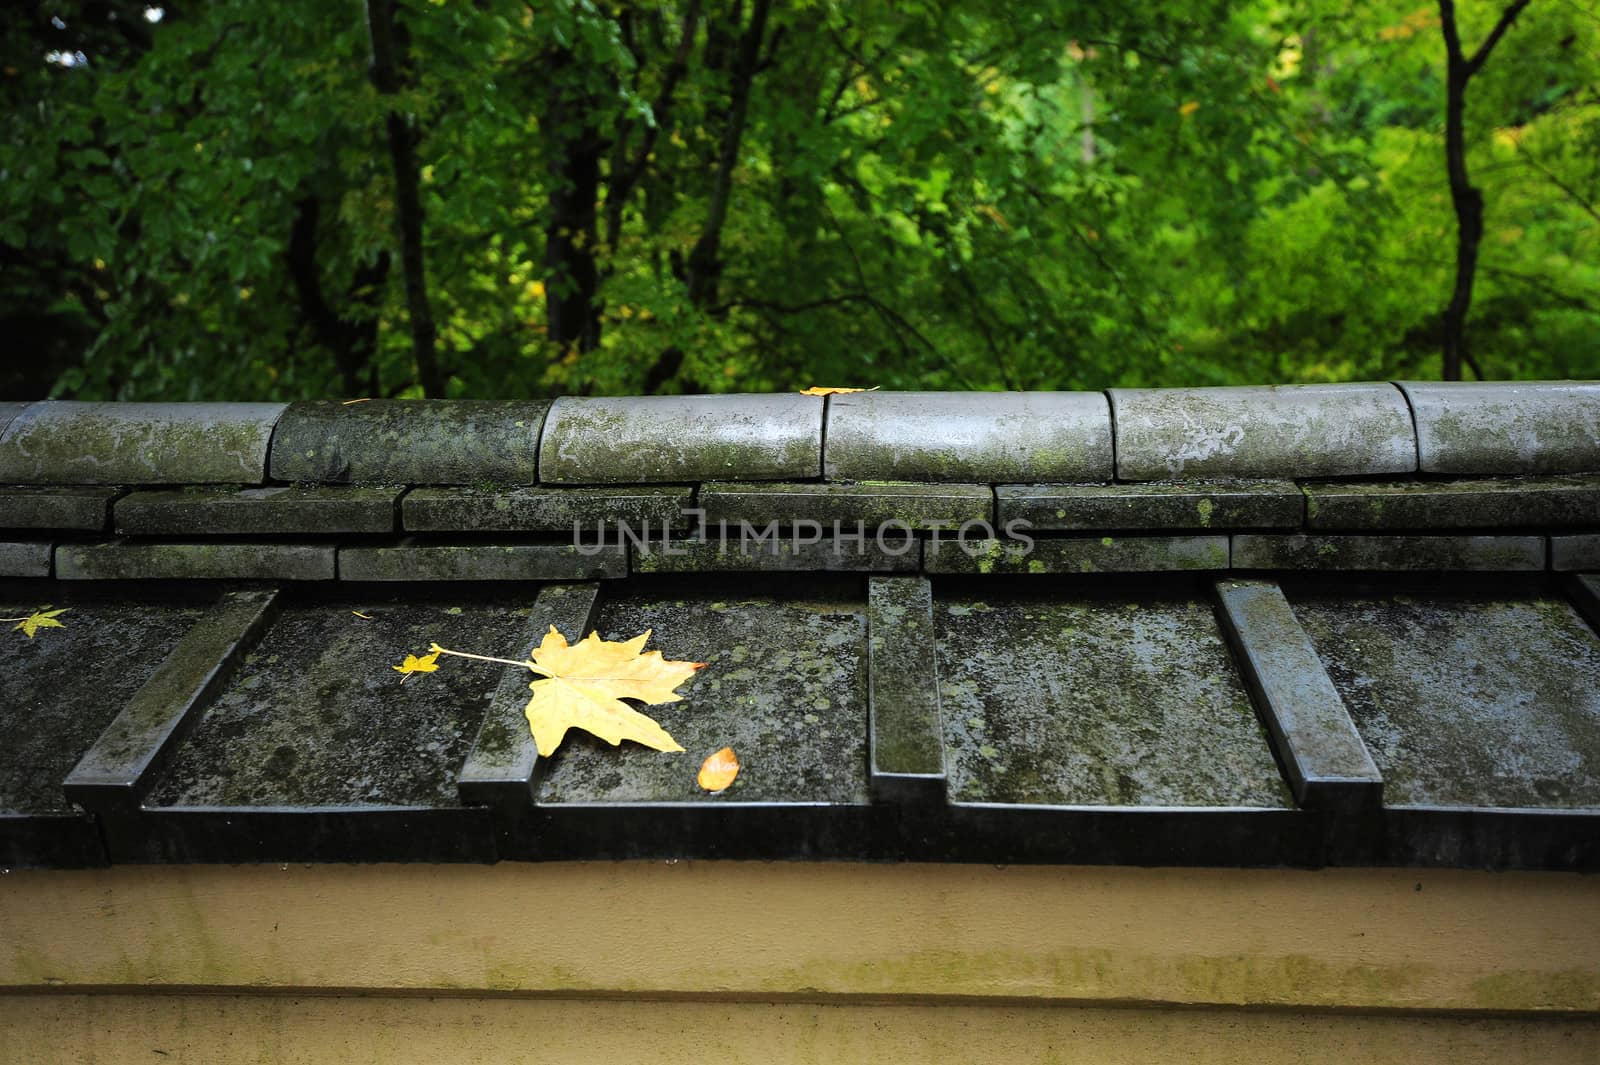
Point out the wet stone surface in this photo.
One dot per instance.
(1078, 554)
(1056, 698)
(210, 561)
(423, 441)
(483, 562)
(872, 504)
(1486, 503)
(1575, 552)
(50, 507)
(59, 690)
(1506, 427)
(555, 510)
(1490, 700)
(1484, 553)
(316, 716)
(24, 560)
(784, 686)
(282, 510)
(1190, 505)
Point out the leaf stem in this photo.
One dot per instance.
(489, 658)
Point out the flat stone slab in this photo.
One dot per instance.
(1078, 554)
(1484, 700)
(63, 442)
(1354, 430)
(1491, 428)
(983, 437)
(61, 688)
(421, 441)
(24, 560)
(784, 685)
(1253, 551)
(264, 561)
(53, 507)
(1575, 552)
(1529, 502)
(1106, 701)
(279, 510)
(782, 553)
(556, 510)
(870, 505)
(907, 743)
(483, 562)
(651, 439)
(316, 717)
(1185, 505)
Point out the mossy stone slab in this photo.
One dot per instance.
(1185, 505)
(1487, 503)
(556, 510)
(1349, 430)
(1078, 554)
(1052, 698)
(24, 560)
(1356, 552)
(421, 441)
(61, 688)
(1488, 700)
(872, 505)
(798, 552)
(907, 742)
(1575, 552)
(784, 685)
(655, 439)
(73, 507)
(484, 562)
(65, 442)
(315, 716)
(260, 561)
(1500, 428)
(975, 437)
(278, 510)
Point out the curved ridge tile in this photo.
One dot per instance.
(1493, 427)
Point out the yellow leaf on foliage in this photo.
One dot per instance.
(718, 771)
(43, 618)
(583, 685)
(815, 391)
(428, 663)
(1189, 108)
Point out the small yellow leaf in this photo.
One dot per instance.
(582, 685)
(815, 391)
(1189, 108)
(359, 614)
(428, 663)
(350, 402)
(718, 771)
(43, 618)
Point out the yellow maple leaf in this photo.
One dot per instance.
(43, 618)
(583, 685)
(428, 663)
(815, 391)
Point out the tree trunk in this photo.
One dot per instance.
(352, 338)
(572, 276)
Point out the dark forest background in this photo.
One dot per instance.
(240, 199)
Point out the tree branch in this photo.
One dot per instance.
(1481, 56)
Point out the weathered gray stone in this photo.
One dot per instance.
(983, 437)
(422, 441)
(61, 442)
(117, 771)
(1532, 502)
(784, 686)
(1282, 431)
(546, 509)
(263, 561)
(61, 688)
(1121, 701)
(1252, 551)
(1186, 505)
(644, 439)
(316, 716)
(1575, 552)
(279, 510)
(1327, 764)
(1078, 554)
(24, 560)
(906, 748)
(873, 504)
(790, 552)
(1489, 428)
(56, 507)
(1585, 591)
(1481, 700)
(483, 562)
(8, 414)
(499, 769)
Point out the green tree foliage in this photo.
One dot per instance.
(734, 195)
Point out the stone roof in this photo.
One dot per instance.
(1299, 625)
